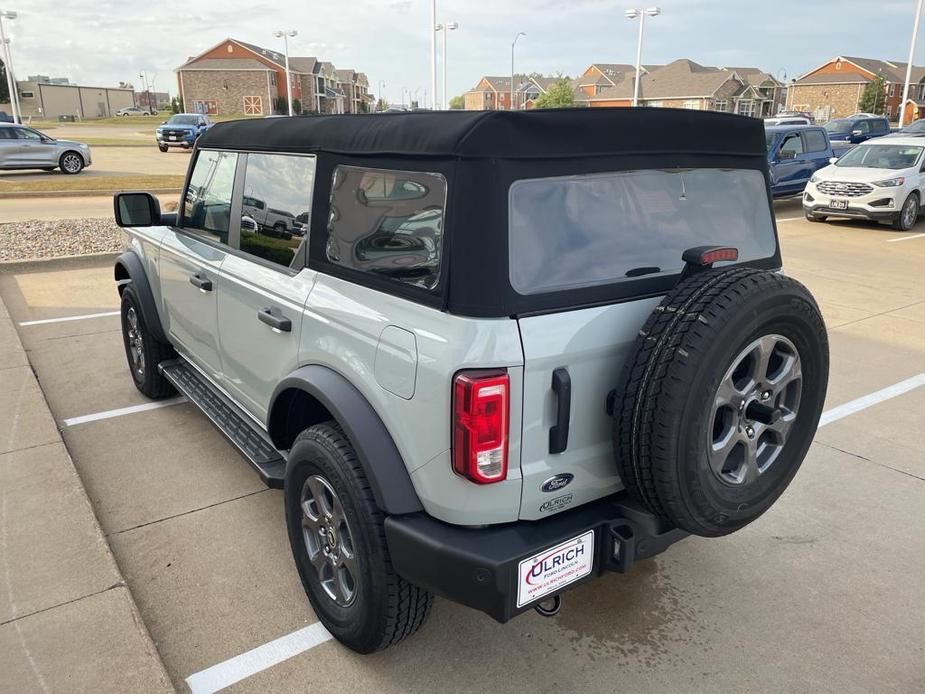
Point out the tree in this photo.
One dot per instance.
(382, 104)
(296, 106)
(559, 95)
(457, 103)
(873, 100)
(175, 105)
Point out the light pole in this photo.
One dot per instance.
(641, 15)
(514, 43)
(433, 52)
(446, 29)
(915, 33)
(8, 62)
(381, 94)
(285, 36)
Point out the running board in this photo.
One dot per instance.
(247, 436)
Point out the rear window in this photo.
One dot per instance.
(582, 231)
(389, 223)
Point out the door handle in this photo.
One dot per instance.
(275, 319)
(562, 387)
(201, 282)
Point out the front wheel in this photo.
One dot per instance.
(142, 350)
(810, 217)
(338, 542)
(907, 216)
(163, 148)
(71, 163)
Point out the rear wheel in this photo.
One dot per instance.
(721, 397)
(71, 163)
(338, 542)
(142, 350)
(907, 216)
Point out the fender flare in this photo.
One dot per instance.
(131, 265)
(382, 463)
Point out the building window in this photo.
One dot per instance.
(889, 110)
(230, 48)
(892, 90)
(838, 65)
(746, 107)
(692, 104)
(253, 106)
(205, 106)
(273, 79)
(720, 105)
(27, 95)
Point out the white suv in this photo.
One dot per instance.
(880, 179)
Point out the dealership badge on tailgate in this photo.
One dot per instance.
(551, 570)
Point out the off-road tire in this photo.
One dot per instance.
(386, 609)
(905, 219)
(150, 381)
(664, 408)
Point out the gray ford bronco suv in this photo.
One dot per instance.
(511, 351)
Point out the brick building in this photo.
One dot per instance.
(834, 89)
(235, 77)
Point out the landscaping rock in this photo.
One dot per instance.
(53, 239)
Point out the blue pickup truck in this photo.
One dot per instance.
(795, 153)
(181, 130)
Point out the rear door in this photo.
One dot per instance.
(600, 229)
(264, 286)
(817, 148)
(793, 168)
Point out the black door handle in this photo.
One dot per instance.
(201, 282)
(275, 319)
(562, 387)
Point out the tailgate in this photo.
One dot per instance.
(591, 345)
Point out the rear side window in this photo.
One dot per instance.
(815, 141)
(879, 127)
(389, 223)
(277, 194)
(207, 206)
(582, 231)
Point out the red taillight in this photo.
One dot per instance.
(480, 425)
(718, 254)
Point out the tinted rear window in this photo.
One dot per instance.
(583, 231)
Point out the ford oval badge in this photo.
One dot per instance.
(557, 482)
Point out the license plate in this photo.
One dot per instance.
(549, 571)
(172, 137)
(838, 204)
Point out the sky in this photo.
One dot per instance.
(103, 42)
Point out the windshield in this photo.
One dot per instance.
(838, 127)
(183, 120)
(916, 127)
(881, 157)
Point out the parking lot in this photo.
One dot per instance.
(823, 593)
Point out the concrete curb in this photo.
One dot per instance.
(44, 636)
(56, 262)
(81, 193)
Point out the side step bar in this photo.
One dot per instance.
(248, 438)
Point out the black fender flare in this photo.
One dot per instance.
(382, 463)
(130, 264)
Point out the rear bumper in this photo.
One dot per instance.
(480, 567)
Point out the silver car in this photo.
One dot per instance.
(22, 147)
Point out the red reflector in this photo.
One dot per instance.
(718, 254)
(480, 425)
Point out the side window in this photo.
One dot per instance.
(793, 143)
(207, 207)
(815, 140)
(863, 126)
(26, 134)
(276, 205)
(880, 127)
(389, 223)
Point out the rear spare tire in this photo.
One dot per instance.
(720, 398)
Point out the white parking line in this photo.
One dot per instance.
(789, 219)
(69, 318)
(109, 414)
(871, 399)
(906, 238)
(242, 666)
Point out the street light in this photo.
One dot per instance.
(285, 36)
(382, 94)
(433, 52)
(8, 61)
(915, 33)
(514, 43)
(641, 15)
(446, 29)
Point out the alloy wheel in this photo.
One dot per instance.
(71, 163)
(754, 409)
(135, 342)
(910, 212)
(329, 541)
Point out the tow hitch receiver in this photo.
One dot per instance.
(549, 607)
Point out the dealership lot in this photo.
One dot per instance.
(824, 593)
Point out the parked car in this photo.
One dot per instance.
(856, 129)
(22, 147)
(879, 180)
(136, 111)
(786, 120)
(181, 130)
(269, 219)
(795, 153)
(587, 355)
(5, 117)
(915, 129)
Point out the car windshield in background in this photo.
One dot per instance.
(183, 120)
(881, 157)
(838, 127)
(587, 230)
(916, 127)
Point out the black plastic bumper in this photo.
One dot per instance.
(479, 567)
(852, 213)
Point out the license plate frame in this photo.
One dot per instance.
(549, 571)
(838, 204)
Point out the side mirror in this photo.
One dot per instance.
(856, 133)
(832, 160)
(786, 154)
(136, 210)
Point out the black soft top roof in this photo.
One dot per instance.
(537, 134)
